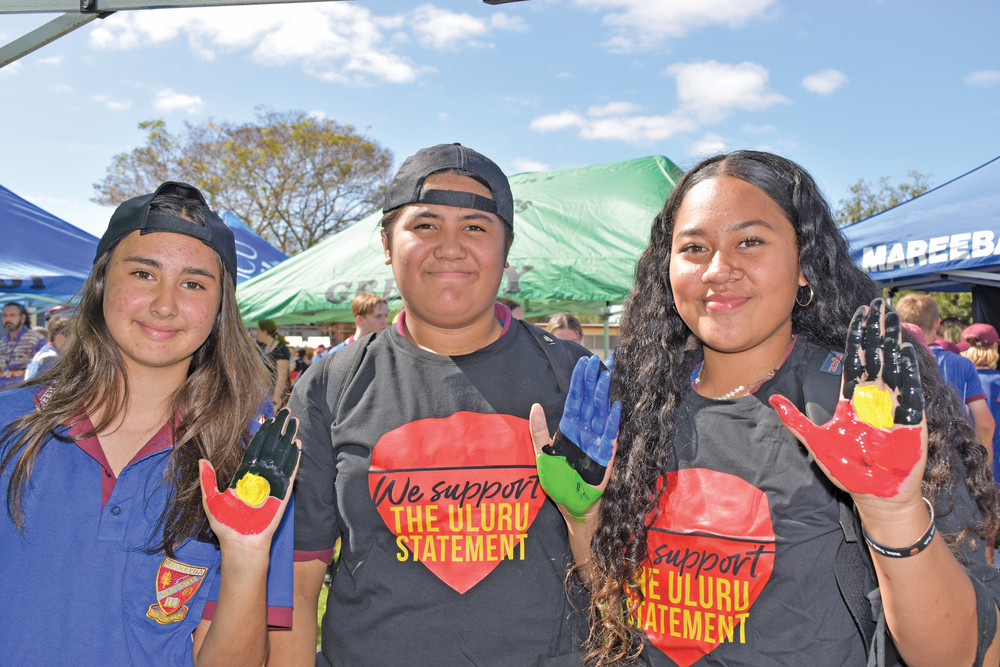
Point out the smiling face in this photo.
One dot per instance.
(447, 261)
(161, 298)
(734, 267)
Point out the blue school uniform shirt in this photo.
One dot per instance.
(80, 585)
(991, 385)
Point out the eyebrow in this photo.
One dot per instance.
(735, 227)
(471, 215)
(192, 270)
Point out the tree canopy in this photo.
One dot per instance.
(293, 178)
(868, 199)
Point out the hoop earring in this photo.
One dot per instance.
(811, 295)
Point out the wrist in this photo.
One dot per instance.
(900, 539)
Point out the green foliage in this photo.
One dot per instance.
(294, 179)
(867, 199)
(951, 304)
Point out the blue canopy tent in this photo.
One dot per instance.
(43, 259)
(946, 239)
(253, 253)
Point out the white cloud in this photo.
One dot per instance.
(710, 144)
(317, 114)
(523, 164)
(825, 82)
(444, 30)
(645, 24)
(341, 42)
(614, 122)
(558, 121)
(710, 91)
(984, 77)
(114, 105)
(707, 93)
(613, 109)
(168, 100)
(10, 69)
(53, 60)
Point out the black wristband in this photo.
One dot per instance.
(912, 550)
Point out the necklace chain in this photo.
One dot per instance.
(743, 388)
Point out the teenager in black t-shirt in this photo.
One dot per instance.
(721, 539)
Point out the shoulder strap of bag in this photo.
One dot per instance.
(555, 352)
(854, 570)
(341, 368)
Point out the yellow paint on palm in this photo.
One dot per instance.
(873, 406)
(252, 489)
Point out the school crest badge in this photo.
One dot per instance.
(176, 583)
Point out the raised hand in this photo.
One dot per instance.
(261, 484)
(877, 437)
(573, 467)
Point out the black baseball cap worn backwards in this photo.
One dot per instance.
(406, 186)
(134, 214)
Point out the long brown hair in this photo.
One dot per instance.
(222, 394)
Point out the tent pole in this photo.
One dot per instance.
(606, 315)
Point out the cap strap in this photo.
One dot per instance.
(164, 222)
(458, 198)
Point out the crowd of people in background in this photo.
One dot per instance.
(477, 487)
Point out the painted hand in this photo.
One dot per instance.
(573, 467)
(869, 447)
(262, 481)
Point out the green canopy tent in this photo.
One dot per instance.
(577, 236)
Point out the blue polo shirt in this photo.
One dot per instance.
(961, 373)
(80, 585)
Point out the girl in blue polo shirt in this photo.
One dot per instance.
(116, 546)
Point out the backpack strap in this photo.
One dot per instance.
(854, 570)
(342, 366)
(555, 351)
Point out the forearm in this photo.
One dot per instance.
(297, 647)
(929, 601)
(280, 382)
(985, 434)
(238, 632)
(581, 535)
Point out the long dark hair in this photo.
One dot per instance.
(657, 353)
(221, 395)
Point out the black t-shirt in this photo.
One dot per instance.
(743, 549)
(451, 552)
(272, 354)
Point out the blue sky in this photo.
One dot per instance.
(848, 88)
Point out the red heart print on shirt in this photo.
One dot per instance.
(459, 493)
(711, 552)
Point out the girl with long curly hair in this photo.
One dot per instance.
(721, 538)
(116, 546)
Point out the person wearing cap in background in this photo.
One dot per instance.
(116, 545)
(982, 351)
(18, 346)
(922, 310)
(417, 452)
